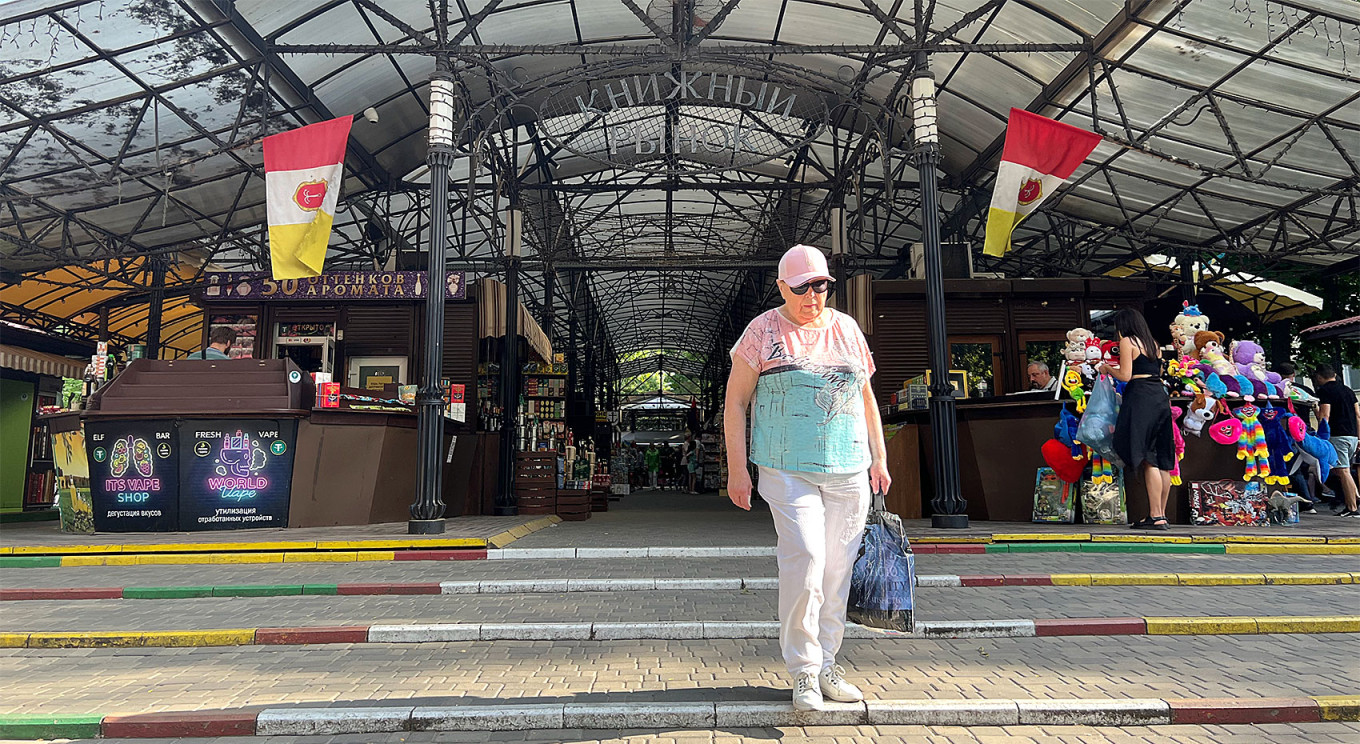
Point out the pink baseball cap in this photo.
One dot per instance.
(802, 264)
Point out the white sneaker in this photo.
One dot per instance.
(833, 685)
(806, 696)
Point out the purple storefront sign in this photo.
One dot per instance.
(332, 285)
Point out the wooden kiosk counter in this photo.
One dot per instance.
(193, 445)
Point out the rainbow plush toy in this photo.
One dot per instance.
(1180, 445)
(1277, 442)
(1101, 469)
(1251, 445)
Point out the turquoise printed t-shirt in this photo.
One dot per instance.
(808, 410)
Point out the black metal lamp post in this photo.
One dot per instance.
(427, 512)
(948, 507)
(507, 505)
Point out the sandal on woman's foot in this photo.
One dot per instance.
(1141, 524)
(1153, 523)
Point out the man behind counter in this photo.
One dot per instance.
(1040, 378)
(219, 343)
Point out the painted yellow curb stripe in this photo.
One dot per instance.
(1245, 549)
(1343, 540)
(13, 640)
(1336, 624)
(336, 556)
(257, 547)
(1132, 579)
(99, 560)
(1339, 707)
(162, 638)
(424, 544)
(68, 549)
(1042, 537)
(501, 539)
(1070, 579)
(1200, 625)
(949, 540)
(182, 559)
(1310, 578)
(1258, 539)
(1223, 579)
(1140, 538)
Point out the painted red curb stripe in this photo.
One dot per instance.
(1249, 710)
(75, 593)
(304, 636)
(387, 588)
(1028, 580)
(958, 549)
(180, 724)
(1075, 626)
(982, 580)
(477, 554)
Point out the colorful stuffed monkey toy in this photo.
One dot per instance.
(1251, 445)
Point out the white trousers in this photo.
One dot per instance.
(819, 518)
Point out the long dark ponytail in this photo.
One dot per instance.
(1131, 324)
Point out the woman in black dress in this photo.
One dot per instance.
(1143, 436)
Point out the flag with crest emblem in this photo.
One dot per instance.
(1039, 155)
(303, 169)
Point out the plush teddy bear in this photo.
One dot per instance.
(1074, 351)
(1251, 364)
(1183, 329)
(1209, 350)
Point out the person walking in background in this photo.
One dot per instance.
(803, 369)
(653, 461)
(1337, 406)
(1143, 438)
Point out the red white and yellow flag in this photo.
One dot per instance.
(303, 169)
(1040, 154)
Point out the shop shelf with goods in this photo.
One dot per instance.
(40, 482)
(714, 461)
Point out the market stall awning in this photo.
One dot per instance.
(491, 303)
(1346, 329)
(41, 363)
(1270, 301)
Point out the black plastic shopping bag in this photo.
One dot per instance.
(883, 583)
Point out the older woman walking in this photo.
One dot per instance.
(817, 440)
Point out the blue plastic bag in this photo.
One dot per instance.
(883, 582)
(1096, 429)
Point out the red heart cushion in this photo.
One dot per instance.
(1059, 457)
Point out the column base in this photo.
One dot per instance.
(949, 521)
(506, 511)
(425, 527)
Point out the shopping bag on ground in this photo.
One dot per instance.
(883, 582)
(1096, 429)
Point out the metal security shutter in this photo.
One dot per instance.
(379, 331)
(1032, 315)
(460, 345)
(899, 344)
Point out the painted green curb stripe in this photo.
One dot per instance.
(166, 592)
(320, 589)
(49, 727)
(260, 590)
(1045, 547)
(30, 561)
(994, 548)
(1123, 547)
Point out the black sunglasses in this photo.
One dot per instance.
(821, 286)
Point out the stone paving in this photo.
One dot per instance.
(161, 679)
(951, 603)
(426, 571)
(1314, 733)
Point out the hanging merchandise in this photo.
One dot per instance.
(1060, 460)
(1318, 451)
(1280, 452)
(1251, 445)
(1054, 499)
(1102, 470)
(1202, 409)
(1096, 429)
(1180, 446)
(1104, 502)
(1213, 361)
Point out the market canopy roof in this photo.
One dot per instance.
(1267, 300)
(131, 130)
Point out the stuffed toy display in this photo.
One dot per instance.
(1202, 410)
(1074, 351)
(1209, 346)
(1072, 385)
(1251, 445)
(1277, 443)
(1102, 470)
(1183, 329)
(1180, 446)
(1063, 453)
(1251, 364)
(1317, 451)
